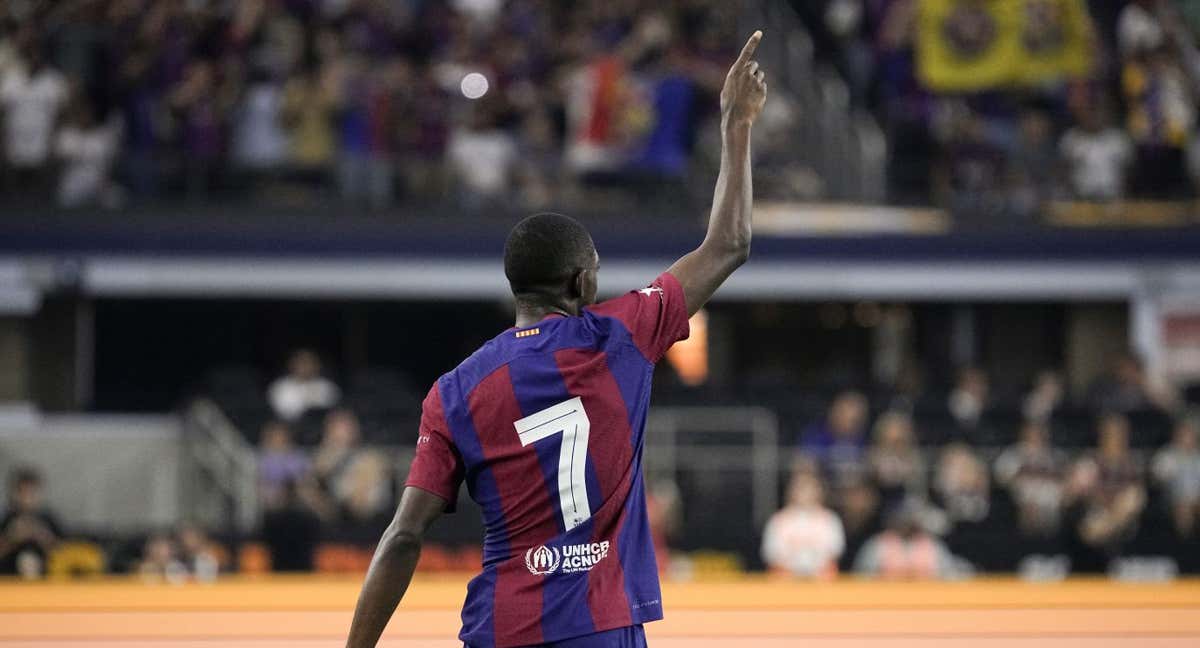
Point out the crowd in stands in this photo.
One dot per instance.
(1124, 126)
(474, 101)
(886, 485)
(34, 544)
(895, 500)
(336, 482)
(324, 485)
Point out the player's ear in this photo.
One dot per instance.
(578, 286)
(585, 285)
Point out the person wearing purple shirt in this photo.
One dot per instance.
(838, 442)
(279, 463)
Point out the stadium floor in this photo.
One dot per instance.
(314, 612)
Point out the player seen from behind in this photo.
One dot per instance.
(545, 423)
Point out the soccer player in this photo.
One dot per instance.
(545, 424)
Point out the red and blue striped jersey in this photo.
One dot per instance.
(545, 425)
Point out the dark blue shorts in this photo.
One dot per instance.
(627, 637)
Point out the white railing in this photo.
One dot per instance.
(755, 431)
(221, 486)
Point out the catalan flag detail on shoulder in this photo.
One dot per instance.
(967, 45)
(528, 332)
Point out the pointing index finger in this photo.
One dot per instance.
(748, 50)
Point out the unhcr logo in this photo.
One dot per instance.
(542, 560)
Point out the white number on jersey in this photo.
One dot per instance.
(569, 418)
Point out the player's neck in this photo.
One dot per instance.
(530, 314)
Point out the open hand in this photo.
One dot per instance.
(745, 87)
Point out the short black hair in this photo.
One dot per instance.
(25, 476)
(545, 250)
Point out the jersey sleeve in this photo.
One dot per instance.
(656, 316)
(437, 466)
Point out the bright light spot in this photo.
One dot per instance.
(474, 85)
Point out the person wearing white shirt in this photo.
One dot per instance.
(303, 388)
(1098, 155)
(1177, 469)
(30, 100)
(87, 149)
(804, 539)
(1138, 29)
(483, 157)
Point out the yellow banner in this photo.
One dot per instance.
(967, 45)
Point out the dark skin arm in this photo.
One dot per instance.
(726, 246)
(392, 567)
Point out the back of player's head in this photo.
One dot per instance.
(545, 251)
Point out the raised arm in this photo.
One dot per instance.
(393, 565)
(726, 246)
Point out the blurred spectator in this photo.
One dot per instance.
(858, 507)
(970, 177)
(1118, 468)
(142, 116)
(844, 20)
(366, 170)
(160, 560)
(307, 115)
(1032, 470)
(198, 107)
(481, 12)
(88, 148)
(303, 388)
(664, 511)
(1161, 117)
(540, 161)
(904, 550)
(355, 479)
(663, 152)
(482, 157)
(803, 539)
(961, 485)
(1033, 163)
(291, 532)
(198, 554)
(279, 463)
(10, 57)
(1177, 469)
(259, 142)
(1106, 496)
(594, 93)
(1127, 388)
(28, 531)
(1097, 155)
(838, 442)
(1138, 29)
(1045, 397)
(31, 97)
(895, 460)
(904, 104)
(969, 398)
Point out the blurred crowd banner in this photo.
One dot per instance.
(967, 45)
(1180, 331)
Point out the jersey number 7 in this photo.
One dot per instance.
(569, 418)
